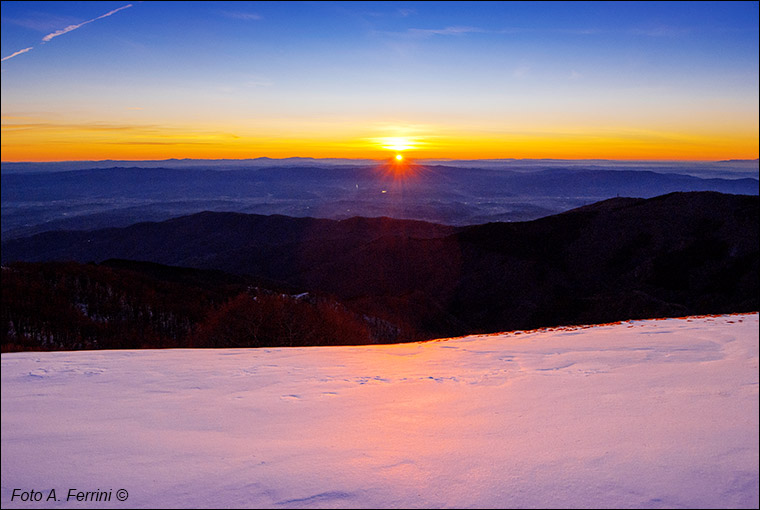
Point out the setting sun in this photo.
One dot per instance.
(399, 168)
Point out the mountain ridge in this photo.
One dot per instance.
(673, 255)
(86, 199)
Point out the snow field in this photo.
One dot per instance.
(638, 414)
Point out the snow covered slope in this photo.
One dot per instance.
(640, 414)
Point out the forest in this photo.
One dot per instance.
(122, 305)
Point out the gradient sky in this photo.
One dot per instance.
(463, 80)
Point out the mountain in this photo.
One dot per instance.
(117, 196)
(623, 258)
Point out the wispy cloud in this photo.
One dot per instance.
(19, 52)
(245, 16)
(160, 143)
(398, 13)
(102, 132)
(74, 27)
(661, 31)
(521, 72)
(41, 21)
(430, 32)
(64, 31)
(420, 33)
(74, 127)
(258, 83)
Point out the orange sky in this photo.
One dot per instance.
(563, 80)
(40, 141)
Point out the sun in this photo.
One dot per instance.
(399, 168)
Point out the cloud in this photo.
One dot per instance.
(661, 31)
(398, 13)
(65, 30)
(19, 52)
(157, 143)
(580, 31)
(69, 127)
(521, 72)
(103, 133)
(462, 30)
(245, 16)
(429, 32)
(41, 22)
(74, 27)
(258, 83)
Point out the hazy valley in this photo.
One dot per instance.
(37, 197)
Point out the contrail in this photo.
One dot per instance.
(19, 52)
(74, 27)
(63, 31)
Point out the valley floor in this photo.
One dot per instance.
(638, 414)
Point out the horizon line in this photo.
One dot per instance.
(725, 160)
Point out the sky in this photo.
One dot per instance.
(460, 80)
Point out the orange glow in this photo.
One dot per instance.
(25, 139)
(397, 143)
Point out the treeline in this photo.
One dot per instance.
(123, 305)
(278, 320)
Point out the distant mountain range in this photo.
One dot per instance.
(622, 258)
(89, 198)
(738, 165)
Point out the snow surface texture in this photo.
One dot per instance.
(644, 414)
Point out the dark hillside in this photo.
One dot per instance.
(671, 255)
(623, 258)
(123, 304)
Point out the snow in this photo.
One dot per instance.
(639, 414)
